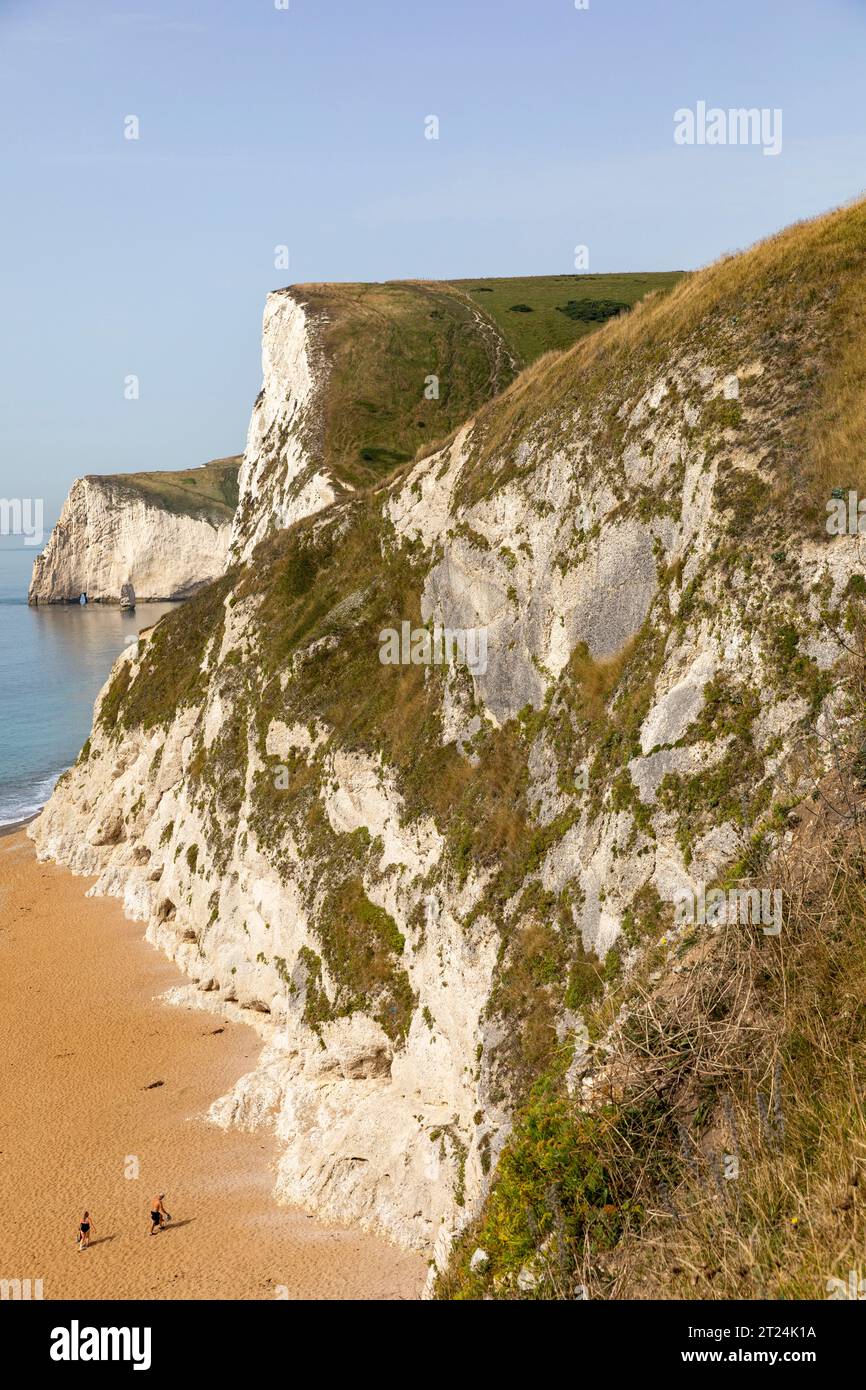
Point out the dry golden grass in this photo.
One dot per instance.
(756, 1049)
(776, 1033)
(836, 437)
(598, 678)
(816, 266)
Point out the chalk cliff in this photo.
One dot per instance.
(414, 879)
(280, 478)
(165, 533)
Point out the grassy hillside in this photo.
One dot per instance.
(383, 343)
(727, 1046)
(211, 490)
(796, 300)
(538, 313)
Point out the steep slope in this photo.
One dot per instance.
(358, 379)
(709, 1143)
(355, 379)
(165, 533)
(421, 878)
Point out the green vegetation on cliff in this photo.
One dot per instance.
(210, 491)
(533, 315)
(792, 306)
(405, 364)
(409, 361)
(722, 1154)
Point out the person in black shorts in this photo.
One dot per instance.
(158, 1214)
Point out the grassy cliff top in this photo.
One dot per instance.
(209, 491)
(406, 363)
(540, 313)
(409, 361)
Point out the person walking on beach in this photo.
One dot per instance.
(85, 1226)
(158, 1214)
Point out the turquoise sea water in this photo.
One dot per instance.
(53, 662)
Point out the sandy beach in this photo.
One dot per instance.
(83, 1039)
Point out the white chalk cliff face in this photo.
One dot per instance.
(107, 537)
(280, 479)
(272, 831)
(377, 1130)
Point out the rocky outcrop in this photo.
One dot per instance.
(112, 533)
(282, 477)
(398, 872)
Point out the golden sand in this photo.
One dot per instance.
(83, 1036)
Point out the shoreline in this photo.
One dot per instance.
(111, 1089)
(19, 825)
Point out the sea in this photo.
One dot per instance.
(54, 659)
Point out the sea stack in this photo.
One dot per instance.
(127, 598)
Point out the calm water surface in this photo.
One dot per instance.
(53, 662)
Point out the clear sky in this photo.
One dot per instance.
(305, 127)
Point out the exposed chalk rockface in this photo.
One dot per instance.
(282, 478)
(163, 539)
(404, 875)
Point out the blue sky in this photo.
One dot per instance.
(261, 127)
